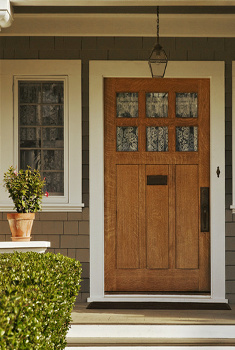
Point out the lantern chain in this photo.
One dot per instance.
(158, 24)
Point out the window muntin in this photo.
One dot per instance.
(41, 131)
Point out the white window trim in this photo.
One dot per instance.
(215, 72)
(69, 72)
(233, 138)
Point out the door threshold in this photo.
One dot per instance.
(158, 298)
(133, 305)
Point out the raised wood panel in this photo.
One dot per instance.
(153, 280)
(187, 217)
(157, 228)
(127, 236)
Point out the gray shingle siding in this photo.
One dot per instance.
(68, 230)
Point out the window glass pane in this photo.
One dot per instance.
(29, 92)
(156, 105)
(31, 158)
(52, 115)
(53, 137)
(29, 115)
(186, 105)
(30, 137)
(157, 139)
(127, 104)
(53, 92)
(53, 160)
(127, 138)
(54, 182)
(41, 130)
(187, 138)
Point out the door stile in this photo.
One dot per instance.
(142, 222)
(172, 217)
(204, 140)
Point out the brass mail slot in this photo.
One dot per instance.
(156, 179)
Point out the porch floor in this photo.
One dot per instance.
(94, 329)
(81, 315)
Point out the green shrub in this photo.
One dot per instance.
(37, 294)
(25, 189)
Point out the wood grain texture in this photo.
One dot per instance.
(127, 233)
(187, 217)
(152, 237)
(157, 211)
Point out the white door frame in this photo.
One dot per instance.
(139, 69)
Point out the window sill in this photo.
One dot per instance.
(232, 207)
(67, 207)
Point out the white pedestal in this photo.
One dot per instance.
(34, 246)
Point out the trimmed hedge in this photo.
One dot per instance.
(37, 294)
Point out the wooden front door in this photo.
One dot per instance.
(157, 185)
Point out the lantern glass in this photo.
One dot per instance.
(158, 61)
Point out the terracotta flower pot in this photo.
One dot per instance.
(21, 226)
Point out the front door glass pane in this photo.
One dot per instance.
(127, 104)
(186, 105)
(156, 105)
(127, 138)
(187, 138)
(157, 139)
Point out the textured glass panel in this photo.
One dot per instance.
(29, 115)
(127, 138)
(53, 160)
(29, 92)
(54, 183)
(186, 138)
(53, 92)
(157, 138)
(52, 115)
(31, 158)
(186, 105)
(156, 105)
(53, 137)
(127, 104)
(30, 137)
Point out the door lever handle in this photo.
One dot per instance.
(205, 209)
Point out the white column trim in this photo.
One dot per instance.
(233, 138)
(6, 14)
(143, 25)
(213, 70)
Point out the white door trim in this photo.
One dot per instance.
(213, 70)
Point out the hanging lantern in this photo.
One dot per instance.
(158, 58)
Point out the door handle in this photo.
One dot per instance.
(205, 210)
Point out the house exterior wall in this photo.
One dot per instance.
(69, 232)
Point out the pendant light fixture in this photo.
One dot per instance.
(158, 58)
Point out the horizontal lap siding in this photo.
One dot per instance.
(69, 232)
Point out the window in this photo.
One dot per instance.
(41, 131)
(43, 125)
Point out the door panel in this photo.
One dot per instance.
(156, 161)
(127, 217)
(187, 221)
(157, 220)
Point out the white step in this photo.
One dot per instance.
(150, 337)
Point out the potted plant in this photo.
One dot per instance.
(25, 189)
